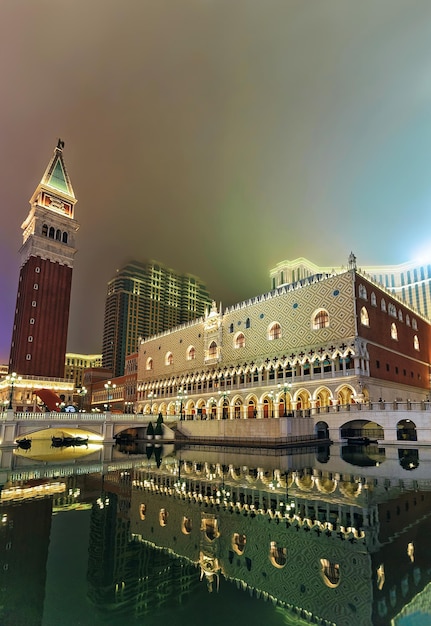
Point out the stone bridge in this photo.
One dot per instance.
(104, 426)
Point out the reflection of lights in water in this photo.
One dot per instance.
(23, 493)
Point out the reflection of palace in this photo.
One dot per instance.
(326, 340)
(322, 538)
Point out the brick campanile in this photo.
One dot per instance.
(40, 327)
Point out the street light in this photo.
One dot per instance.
(271, 399)
(12, 379)
(109, 388)
(224, 394)
(82, 392)
(181, 398)
(286, 387)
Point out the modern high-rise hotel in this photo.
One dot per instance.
(144, 299)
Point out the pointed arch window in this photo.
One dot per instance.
(51, 232)
(414, 324)
(362, 292)
(407, 320)
(321, 319)
(394, 331)
(191, 354)
(365, 320)
(392, 310)
(65, 237)
(274, 331)
(58, 235)
(169, 359)
(373, 299)
(149, 364)
(212, 350)
(416, 342)
(383, 305)
(45, 230)
(247, 322)
(239, 341)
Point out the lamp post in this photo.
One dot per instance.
(181, 398)
(152, 395)
(12, 380)
(286, 387)
(109, 388)
(224, 394)
(82, 392)
(271, 399)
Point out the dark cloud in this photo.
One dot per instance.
(216, 136)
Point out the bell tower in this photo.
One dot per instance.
(39, 334)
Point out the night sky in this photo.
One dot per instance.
(218, 137)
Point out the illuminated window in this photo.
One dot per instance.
(169, 359)
(239, 341)
(330, 573)
(37, 270)
(394, 332)
(274, 331)
(212, 350)
(277, 556)
(163, 517)
(149, 365)
(383, 305)
(30, 339)
(365, 320)
(191, 354)
(186, 525)
(238, 543)
(416, 342)
(321, 320)
(28, 357)
(32, 320)
(142, 511)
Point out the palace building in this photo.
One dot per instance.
(409, 281)
(332, 338)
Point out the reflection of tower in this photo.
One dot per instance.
(42, 307)
(24, 540)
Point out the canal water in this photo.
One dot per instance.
(332, 535)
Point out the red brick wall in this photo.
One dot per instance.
(50, 315)
(394, 360)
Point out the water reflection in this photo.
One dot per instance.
(329, 536)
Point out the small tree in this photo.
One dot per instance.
(150, 430)
(159, 419)
(158, 431)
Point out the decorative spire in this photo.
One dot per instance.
(352, 261)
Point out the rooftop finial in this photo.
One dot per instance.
(60, 144)
(352, 261)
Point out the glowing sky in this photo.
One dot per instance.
(216, 136)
